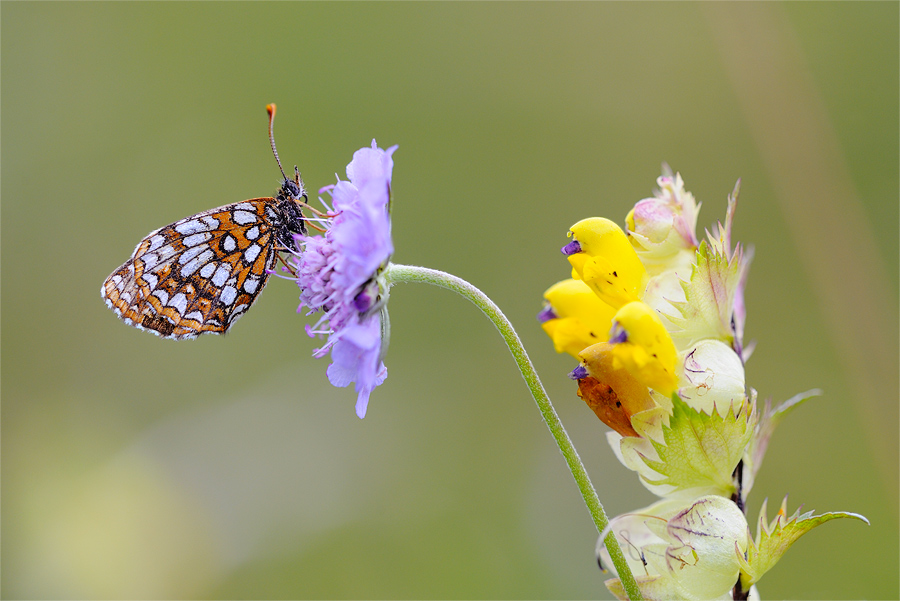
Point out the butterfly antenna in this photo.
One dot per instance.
(270, 108)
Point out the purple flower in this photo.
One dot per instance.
(339, 273)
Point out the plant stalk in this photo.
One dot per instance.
(396, 274)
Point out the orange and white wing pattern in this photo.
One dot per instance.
(200, 274)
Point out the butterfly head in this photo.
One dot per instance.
(293, 189)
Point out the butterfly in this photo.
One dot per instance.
(200, 274)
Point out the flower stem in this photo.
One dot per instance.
(395, 274)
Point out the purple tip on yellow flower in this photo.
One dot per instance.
(579, 373)
(572, 248)
(618, 334)
(546, 314)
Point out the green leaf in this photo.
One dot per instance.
(776, 537)
(700, 451)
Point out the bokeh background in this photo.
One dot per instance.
(227, 467)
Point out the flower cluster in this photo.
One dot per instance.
(340, 271)
(655, 317)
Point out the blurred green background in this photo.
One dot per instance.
(227, 467)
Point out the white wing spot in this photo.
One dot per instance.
(251, 253)
(162, 295)
(190, 254)
(196, 263)
(150, 260)
(252, 233)
(211, 222)
(195, 315)
(221, 276)
(151, 279)
(165, 252)
(243, 217)
(156, 241)
(179, 301)
(250, 285)
(229, 293)
(191, 226)
(208, 270)
(196, 239)
(229, 244)
(246, 206)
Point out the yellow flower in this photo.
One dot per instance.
(609, 281)
(644, 348)
(667, 302)
(605, 260)
(574, 317)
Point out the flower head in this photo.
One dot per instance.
(665, 318)
(339, 273)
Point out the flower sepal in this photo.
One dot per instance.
(775, 537)
(710, 294)
(713, 305)
(681, 550)
(691, 452)
(712, 377)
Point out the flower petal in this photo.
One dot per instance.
(578, 318)
(607, 261)
(648, 352)
(356, 357)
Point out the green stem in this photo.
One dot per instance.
(395, 274)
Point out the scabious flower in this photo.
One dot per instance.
(339, 273)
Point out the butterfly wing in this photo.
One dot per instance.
(198, 275)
